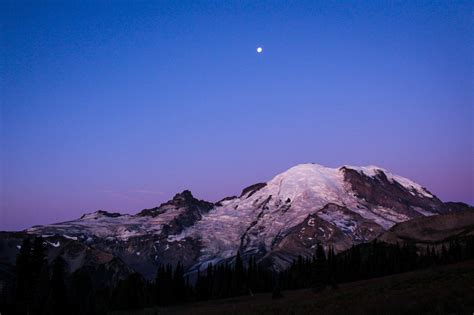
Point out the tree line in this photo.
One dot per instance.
(370, 260)
(40, 288)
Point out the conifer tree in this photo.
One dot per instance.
(24, 277)
(238, 276)
(319, 271)
(59, 297)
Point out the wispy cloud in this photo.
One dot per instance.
(130, 194)
(116, 194)
(148, 192)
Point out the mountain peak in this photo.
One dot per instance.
(184, 195)
(184, 199)
(275, 221)
(374, 171)
(100, 213)
(312, 173)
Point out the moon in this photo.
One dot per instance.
(259, 50)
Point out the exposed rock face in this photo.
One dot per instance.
(193, 211)
(141, 240)
(380, 191)
(105, 214)
(351, 204)
(274, 221)
(250, 190)
(302, 239)
(219, 203)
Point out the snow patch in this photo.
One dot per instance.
(56, 244)
(176, 237)
(423, 212)
(70, 237)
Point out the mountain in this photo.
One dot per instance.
(274, 221)
(105, 268)
(287, 216)
(432, 231)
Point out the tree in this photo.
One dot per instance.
(320, 269)
(40, 275)
(332, 268)
(59, 296)
(179, 288)
(38, 258)
(130, 293)
(24, 279)
(83, 293)
(238, 276)
(276, 294)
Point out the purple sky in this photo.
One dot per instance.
(118, 106)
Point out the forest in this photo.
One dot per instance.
(40, 288)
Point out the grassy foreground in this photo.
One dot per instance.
(441, 290)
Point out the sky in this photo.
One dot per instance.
(119, 105)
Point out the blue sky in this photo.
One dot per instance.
(119, 105)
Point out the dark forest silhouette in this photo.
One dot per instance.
(40, 288)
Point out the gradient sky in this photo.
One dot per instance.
(119, 105)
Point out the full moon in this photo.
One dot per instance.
(259, 49)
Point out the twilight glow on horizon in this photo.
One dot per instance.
(120, 105)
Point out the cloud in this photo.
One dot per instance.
(130, 194)
(148, 192)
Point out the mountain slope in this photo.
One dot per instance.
(274, 221)
(433, 230)
(105, 268)
(357, 203)
(140, 240)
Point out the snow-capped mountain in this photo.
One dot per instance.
(309, 203)
(274, 221)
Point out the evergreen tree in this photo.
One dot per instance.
(179, 289)
(38, 258)
(276, 294)
(238, 276)
(320, 269)
(59, 296)
(332, 268)
(24, 277)
(40, 275)
(83, 292)
(130, 293)
(200, 287)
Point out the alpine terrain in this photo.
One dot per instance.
(274, 222)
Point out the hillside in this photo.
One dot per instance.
(440, 290)
(432, 230)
